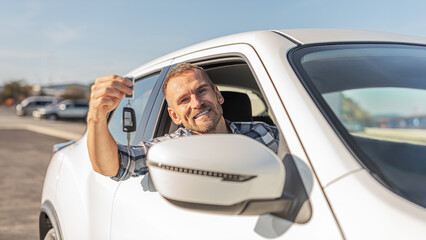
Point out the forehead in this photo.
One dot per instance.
(186, 81)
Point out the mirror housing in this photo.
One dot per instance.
(220, 173)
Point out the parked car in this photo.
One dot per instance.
(30, 104)
(67, 109)
(328, 181)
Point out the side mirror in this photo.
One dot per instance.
(226, 174)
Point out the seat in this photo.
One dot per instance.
(237, 107)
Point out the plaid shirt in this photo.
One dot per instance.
(259, 131)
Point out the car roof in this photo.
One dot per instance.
(40, 98)
(309, 36)
(297, 36)
(74, 101)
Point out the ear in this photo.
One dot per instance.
(219, 96)
(176, 119)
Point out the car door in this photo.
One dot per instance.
(140, 212)
(81, 109)
(66, 110)
(90, 218)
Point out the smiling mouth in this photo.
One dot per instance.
(201, 114)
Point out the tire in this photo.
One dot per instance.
(52, 117)
(51, 235)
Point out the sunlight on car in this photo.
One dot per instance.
(378, 93)
(393, 114)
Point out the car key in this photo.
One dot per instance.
(129, 120)
(130, 96)
(129, 124)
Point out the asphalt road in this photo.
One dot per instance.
(24, 157)
(63, 129)
(25, 152)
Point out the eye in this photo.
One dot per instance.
(184, 100)
(201, 91)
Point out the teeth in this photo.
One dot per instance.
(201, 114)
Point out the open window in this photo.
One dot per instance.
(244, 100)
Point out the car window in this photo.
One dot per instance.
(229, 77)
(41, 103)
(81, 105)
(143, 89)
(374, 95)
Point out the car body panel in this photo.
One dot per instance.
(50, 180)
(145, 219)
(91, 206)
(91, 197)
(179, 221)
(311, 126)
(363, 206)
(311, 36)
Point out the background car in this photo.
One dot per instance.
(67, 109)
(350, 108)
(30, 104)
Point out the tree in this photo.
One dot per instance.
(353, 113)
(17, 90)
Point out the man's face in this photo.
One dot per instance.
(194, 102)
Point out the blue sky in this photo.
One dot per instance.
(76, 41)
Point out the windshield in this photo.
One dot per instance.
(374, 95)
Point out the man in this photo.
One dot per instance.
(193, 101)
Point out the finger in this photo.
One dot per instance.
(114, 78)
(99, 108)
(122, 88)
(107, 103)
(113, 90)
(114, 81)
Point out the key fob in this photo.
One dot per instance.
(130, 96)
(129, 120)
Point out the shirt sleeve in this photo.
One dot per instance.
(271, 137)
(133, 160)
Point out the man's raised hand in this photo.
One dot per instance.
(106, 94)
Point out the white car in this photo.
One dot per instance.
(351, 110)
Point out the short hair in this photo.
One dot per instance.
(179, 69)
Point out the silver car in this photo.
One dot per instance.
(31, 104)
(67, 109)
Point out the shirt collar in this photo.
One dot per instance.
(232, 127)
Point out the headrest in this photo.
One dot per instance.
(237, 107)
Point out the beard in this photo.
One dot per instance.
(207, 124)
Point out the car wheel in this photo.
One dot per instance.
(52, 117)
(51, 235)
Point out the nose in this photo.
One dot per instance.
(196, 102)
